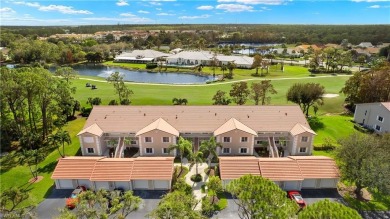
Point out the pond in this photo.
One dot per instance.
(142, 76)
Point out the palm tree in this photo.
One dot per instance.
(183, 146)
(223, 69)
(63, 137)
(197, 158)
(210, 147)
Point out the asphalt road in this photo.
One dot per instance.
(49, 208)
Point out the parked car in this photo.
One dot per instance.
(297, 197)
(72, 201)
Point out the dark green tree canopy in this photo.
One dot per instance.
(240, 92)
(326, 209)
(306, 95)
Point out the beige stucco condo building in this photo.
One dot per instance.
(271, 131)
(375, 116)
(127, 146)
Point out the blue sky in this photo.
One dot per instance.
(85, 12)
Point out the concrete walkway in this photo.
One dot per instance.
(196, 187)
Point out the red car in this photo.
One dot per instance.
(296, 196)
(72, 201)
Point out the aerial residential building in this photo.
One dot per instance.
(375, 116)
(141, 56)
(271, 131)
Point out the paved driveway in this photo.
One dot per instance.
(56, 200)
(314, 195)
(310, 195)
(150, 202)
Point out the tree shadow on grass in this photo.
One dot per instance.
(315, 123)
(9, 161)
(49, 168)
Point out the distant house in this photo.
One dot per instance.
(374, 116)
(205, 57)
(141, 56)
(365, 44)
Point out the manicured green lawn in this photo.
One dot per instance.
(334, 128)
(379, 202)
(20, 175)
(147, 94)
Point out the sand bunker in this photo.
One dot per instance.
(330, 95)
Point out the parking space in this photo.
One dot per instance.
(314, 195)
(49, 208)
(150, 200)
(230, 211)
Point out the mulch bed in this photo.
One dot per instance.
(33, 180)
(350, 190)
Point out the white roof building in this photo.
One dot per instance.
(140, 56)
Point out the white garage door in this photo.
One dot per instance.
(309, 183)
(66, 184)
(280, 184)
(102, 185)
(291, 185)
(161, 184)
(226, 181)
(84, 182)
(328, 183)
(141, 184)
(122, 185)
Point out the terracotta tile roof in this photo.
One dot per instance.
(153, 168)
(235, 167)
(196, 118)
(299, 129)
(159, 124)
(386, 105)
(317, 167)
(74, 167)
(92, 129)
(233, 124)
(112, 169)
(280, 169)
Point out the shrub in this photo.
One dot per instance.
(151, 65)
(182, 186)
(113, 102)
(85, 111)
(196, 178)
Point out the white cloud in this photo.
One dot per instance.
(63, 9)
(266, 8)
(122, 3)
(195, 17)
(30, 4)
(205, 7)
(155, 3)
(158, 9)
(7, 10)
(165, 14)
(127, 19)
(143, 12)
(375, 6)
(256, 2)
(234, 7)
(127, 15)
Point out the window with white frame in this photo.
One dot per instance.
(165, 151)
(88, 139)
(377, 127)
(243, 150)
(90, 151)
(165, 139)
(225, 150)
(226, 139)
(148, 139)
(380, 118)
(302, 150)
(244, 139)
(149, 150)
(304, 139)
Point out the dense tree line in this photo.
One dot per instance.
(254, 33)
(368, 87)
(33, 103)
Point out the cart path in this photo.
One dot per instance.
(221, 83)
